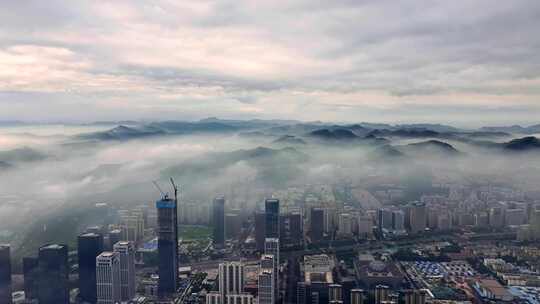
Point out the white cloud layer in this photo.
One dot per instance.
(383, 60)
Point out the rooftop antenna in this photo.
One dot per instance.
(163, 194)
(175, 189)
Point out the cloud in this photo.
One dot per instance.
(289, 59)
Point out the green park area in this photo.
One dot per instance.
(194, 232)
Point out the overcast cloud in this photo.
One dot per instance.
(461, 62)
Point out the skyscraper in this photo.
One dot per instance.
(358, 296)
(167, 231)
(53, 274)
(381, 293)
(317, 224)
(418, 217)
(108, 278)
(31, 277)
(126, 251)
(271, 210)
(90, 245)
(335, 294)
(414, 296)
(218, 221)
(266, 286)
(260, 222)
(345, 224)
(115, 236)
(231, 279)
(5, 274)
(271, 247)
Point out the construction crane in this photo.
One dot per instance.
(163, 194)
(175, 189)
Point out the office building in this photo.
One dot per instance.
(126, 252)
(317, 224)
(382, 293)
(266, 287)
(271, 247)
(271, 210)
(213, 297)
(515, 217)
(231, 279)
(89, 246)
(53, 277)
(398, 220)
(358, 296)
(534, 223)
(418, 217)
(233, 225)
(167, 232)
(296, 229)
(115, 236)
(5, 274)
(365, 226)
(417, 296)
(384, 219)
(496, 217)
(218, 221)
(241, 298)
(260, 235)
(335, 294)
(108, 278)
(31, 277)
(345, 224)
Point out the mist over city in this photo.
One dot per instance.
(311, 152)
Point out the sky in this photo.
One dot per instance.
(463, 62)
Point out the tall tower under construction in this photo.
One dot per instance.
(167, 230)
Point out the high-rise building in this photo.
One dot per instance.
(515, 217)
(167, 232)
(31, 277)
(271, 247)
(296, 233)
(213, 297)
(266, 288)
(496, 217)
(384, 219)
(260, 235)
(233, 225)
(398, 220)
(418, 217)
(126, 252)
(382, 293)
(53, 277)
(218, 221)
(335, 294)
(5, 274)
(358, 296)
(290, 232)
(271, 210)
(241, 298)
(317, 224)
(365, 226)
(534, 223)
(132, 225)
(90, 245)
(267, 261)
(414, 296)
(108, 278)
(115, 236)
(345, 224)
(231, 279)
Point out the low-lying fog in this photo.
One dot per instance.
(47, 169)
